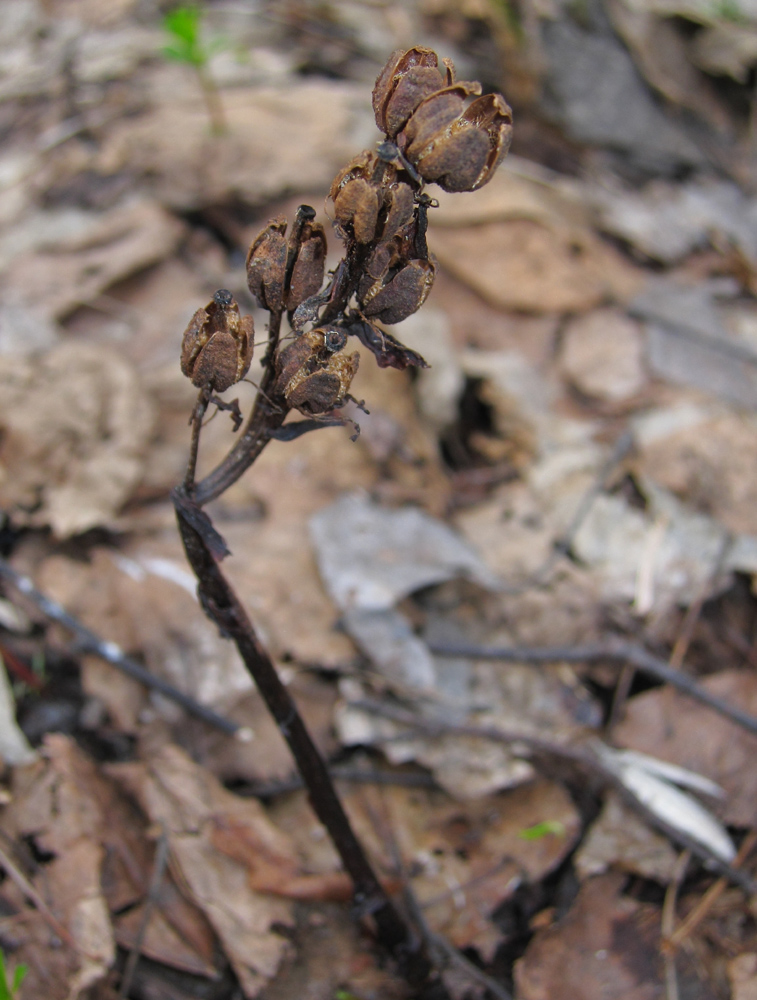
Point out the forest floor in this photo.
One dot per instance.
(577, 469)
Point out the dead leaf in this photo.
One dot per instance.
(72, 811)
(606, 948)
(619, 839)
(290, 138)
(602, 355)
(75, 255)
(462, 860)
(515, 698)
(371, 557)
(76, 424)
(191, 806)
(523, 265)
(710, 461)
(56, 803)
(665, 724)
(742, 975)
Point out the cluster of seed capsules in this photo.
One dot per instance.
(433, 132)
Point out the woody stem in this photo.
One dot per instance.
(196, 420)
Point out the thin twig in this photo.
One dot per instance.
(153, 892)
(667, 923)
(687, 927)
(113, 654)
(197, 414)
(616, 650)
(25, 886)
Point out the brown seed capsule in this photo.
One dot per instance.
(399, 293)
(307, 273)
(315, 375)
(370, 201)
(458, 150)
(266, 265)
(408, 77)
(216, 349)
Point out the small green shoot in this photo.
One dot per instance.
(539, 830)
(344, 995)
(184, 27)
(9, 987)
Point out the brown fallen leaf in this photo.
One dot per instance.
(75, 427)
(620, 839)
(54, 803)
(606, 948)
(742, 974)
(92, 253)
(524, 265)
(102, 853)
(709, 463)
(274, 871)
(665, 724)
(291, 138)
(191, 805)
(602, 355)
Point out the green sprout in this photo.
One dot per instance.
(184, 27)
(9, 987)
(539, 830)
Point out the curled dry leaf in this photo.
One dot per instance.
(76, 424)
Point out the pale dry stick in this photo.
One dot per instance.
(667, 922)
(686, 928)
(26, 887)
(156, 880)
(112, 653)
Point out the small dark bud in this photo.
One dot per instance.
(266, 265)
(216, 349)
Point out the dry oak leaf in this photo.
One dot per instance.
(74, 428)
(192, 807)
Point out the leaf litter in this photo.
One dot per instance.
(499, 468)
